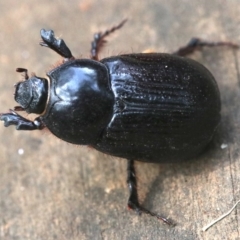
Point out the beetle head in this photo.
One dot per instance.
(31, 94)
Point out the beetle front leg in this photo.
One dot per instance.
(197, 44)
(57, 45)
(20, 122)
(133, 202)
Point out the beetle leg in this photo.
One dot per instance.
(197, 44)
(57, 45)
(21, 123)
(133, 202)
(99, 40)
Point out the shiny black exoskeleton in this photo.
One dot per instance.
(149, 107)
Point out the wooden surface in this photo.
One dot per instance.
(55, 190)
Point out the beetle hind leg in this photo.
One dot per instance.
(197, 44)
(133, 202)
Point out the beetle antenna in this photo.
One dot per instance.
(24, 71)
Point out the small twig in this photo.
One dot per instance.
(220, 218)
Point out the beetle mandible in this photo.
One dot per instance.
(153, 107)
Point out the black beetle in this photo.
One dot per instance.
(151, 107)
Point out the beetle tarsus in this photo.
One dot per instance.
(99, 40)
(57, 45)
(197, 44)
(20, 122)
(133, 202)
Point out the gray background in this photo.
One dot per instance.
(59, 191)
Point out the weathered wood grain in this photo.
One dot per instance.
(59, 191)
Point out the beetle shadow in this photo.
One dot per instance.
(221, 152)
(212, 158)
